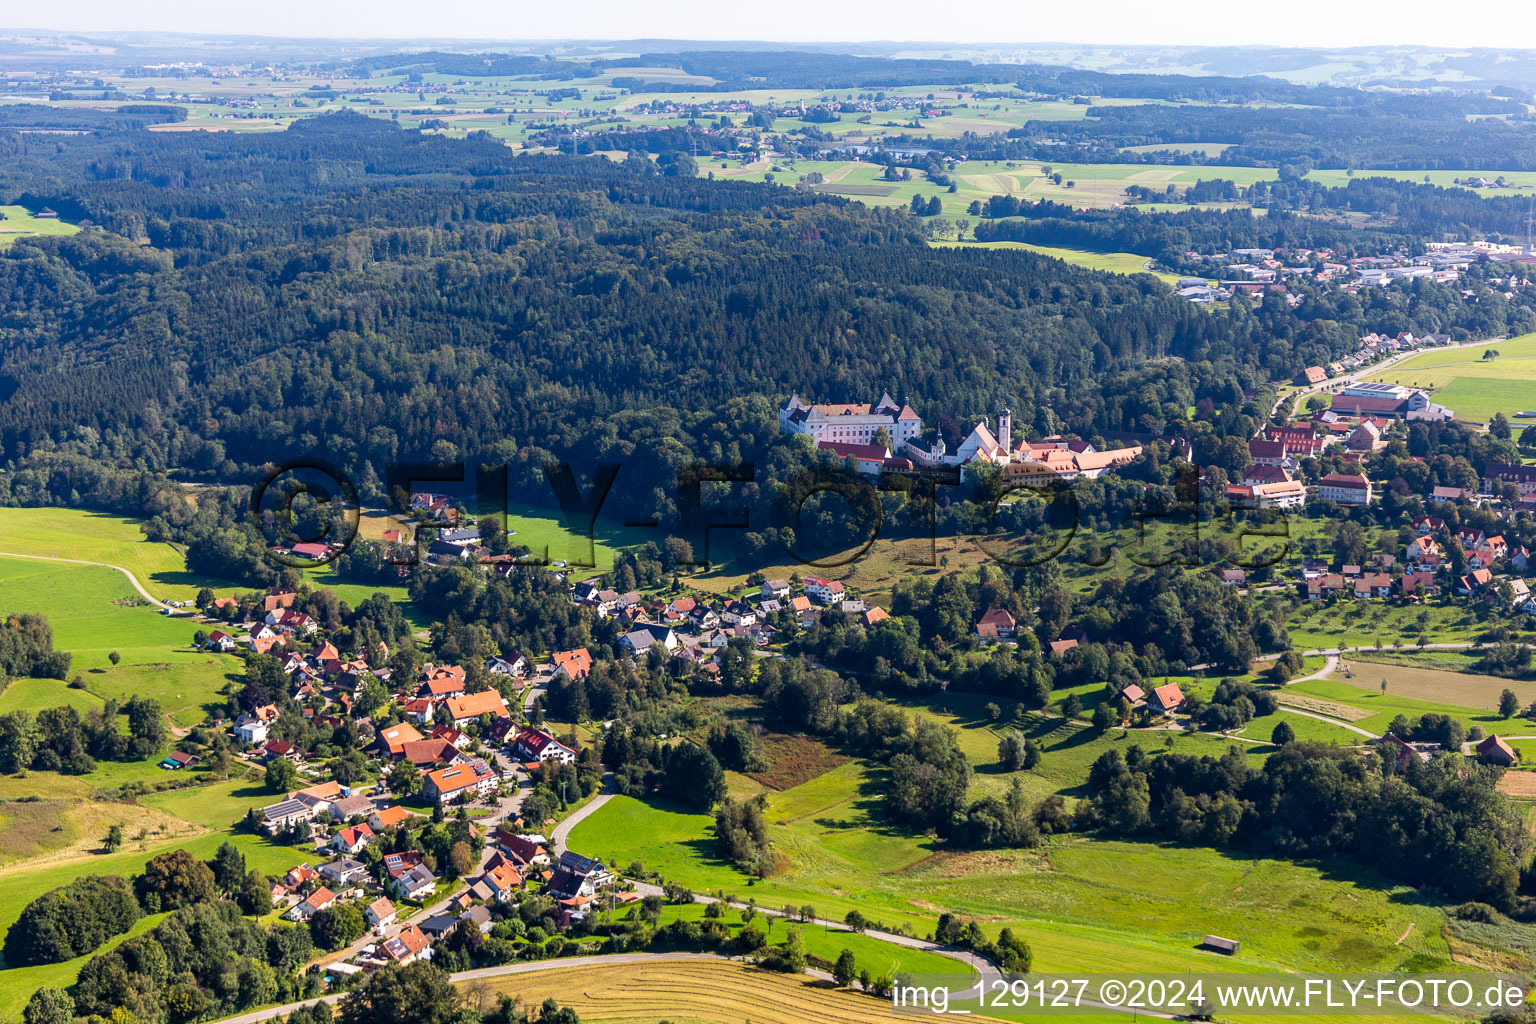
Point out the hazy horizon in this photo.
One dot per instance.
(1304, 23)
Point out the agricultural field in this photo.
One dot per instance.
(691, 991)
(1439, 685)
(1517, 182)
(1472, 387)
(1082, 185)
(17, 222)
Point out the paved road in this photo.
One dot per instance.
(557, 838)
(106, 565)
(1331, 721)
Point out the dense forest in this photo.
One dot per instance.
(247, 305)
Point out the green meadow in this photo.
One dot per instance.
(95, 613)
(1518, 182)
(1472, 387)
(17, 222)
(102, 537)
(1112, 262)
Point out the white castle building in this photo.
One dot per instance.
(835, 427)
(853, 423)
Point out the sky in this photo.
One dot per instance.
(984, 22)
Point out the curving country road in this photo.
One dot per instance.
(562, 830)
(105, 565)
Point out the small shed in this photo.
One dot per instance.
(1217, 944)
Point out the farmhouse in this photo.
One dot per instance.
(996, 624)
(1167, 698)
(1493, 750)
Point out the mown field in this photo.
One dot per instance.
(1444, 686)
(17, 222)
(699, 991)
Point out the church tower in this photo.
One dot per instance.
(1005, 430)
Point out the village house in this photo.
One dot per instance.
(408, 947)
(514, 665)
(574, 664)
(538, 745)
(1473, 581)
(317, 901)
(775, 589)
(413, 882)
(469, 707)
(503, 880)
(996, 624)
(352, 839)
(343, 871)
(448, 784)
(389, 817)
(638, 642)
(380, 913)
(392, 740)
(279, 816)
(576, 875)
(825, 591)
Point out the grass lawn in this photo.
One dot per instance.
(18, 223)
(1305, 728)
